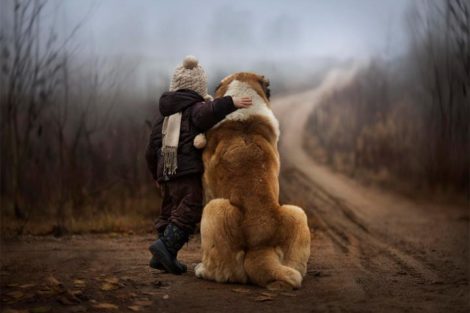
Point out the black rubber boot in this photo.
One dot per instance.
(154, 263)
(165, 249)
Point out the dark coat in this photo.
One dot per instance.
(198, 116)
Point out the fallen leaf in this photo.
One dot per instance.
(106, 306)
(134, 308)
(143, 299)
(166, 297)
(264, 296)
(112, 280)
(279, 286)
(68, 298)
(15, 294)
(108, 286)
(40, 309)
(79, 283)
(76, 293)
(143, 302)
(241, 290)
(26, 286)
(52, 281)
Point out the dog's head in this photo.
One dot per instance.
(259, 83)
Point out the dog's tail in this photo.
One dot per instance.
(264, 268)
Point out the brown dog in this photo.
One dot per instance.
(246, 235)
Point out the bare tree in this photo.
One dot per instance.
(442, 54)
(409, 116)
(65, 147)
(30, 69)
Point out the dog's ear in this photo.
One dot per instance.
(217, 88)
(264, 82)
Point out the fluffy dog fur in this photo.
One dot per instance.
(247, 236)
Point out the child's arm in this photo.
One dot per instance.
(206, 114)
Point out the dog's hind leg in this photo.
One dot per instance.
(294, 238)
(221, 240)
(283, 266)
(264, 268)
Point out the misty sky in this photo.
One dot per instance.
(215, 29)
(234, 35)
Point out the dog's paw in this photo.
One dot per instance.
(294, 278)
(199, 270)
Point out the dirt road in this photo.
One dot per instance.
(371, 252)
(386, 252)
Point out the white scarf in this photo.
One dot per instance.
(171, 135)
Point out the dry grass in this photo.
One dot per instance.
(102, 223)
(383, 140)
(108, 214)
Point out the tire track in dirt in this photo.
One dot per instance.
(338, 221)
(337, 207)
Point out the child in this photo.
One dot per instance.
(176, 165)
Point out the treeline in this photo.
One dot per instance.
(74, 128)
(72, 135)
(406, 122)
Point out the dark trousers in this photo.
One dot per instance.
(182, 203)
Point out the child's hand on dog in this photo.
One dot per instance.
(242, 102)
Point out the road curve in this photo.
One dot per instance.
(381, 238)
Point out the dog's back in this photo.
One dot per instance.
(262, 239)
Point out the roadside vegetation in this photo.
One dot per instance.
(404, 123)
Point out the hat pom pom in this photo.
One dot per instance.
(190, 62)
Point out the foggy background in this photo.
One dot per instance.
(80, 82)
(291, 39)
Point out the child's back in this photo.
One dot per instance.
(176, 164)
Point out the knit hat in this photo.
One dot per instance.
(190, 75)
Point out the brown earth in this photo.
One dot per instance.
(372, 251)
(388, 253)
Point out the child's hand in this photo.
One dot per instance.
(242, 102)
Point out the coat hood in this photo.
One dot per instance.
(176, 101)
